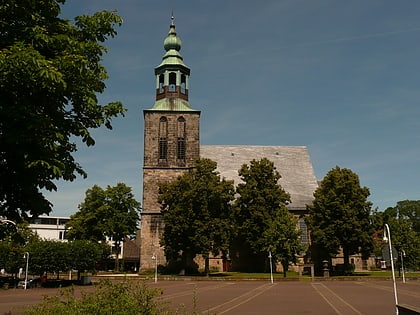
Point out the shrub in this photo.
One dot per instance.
(123, 298)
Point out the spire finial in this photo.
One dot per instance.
(172, 17)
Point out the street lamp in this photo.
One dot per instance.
(402, 265)
(27, 264)
(2, 220)
(271, 267)
(6, 222)
(387, 239)
(154, 257)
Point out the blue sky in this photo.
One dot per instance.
(340, 77)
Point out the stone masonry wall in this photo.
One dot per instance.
(156, 171)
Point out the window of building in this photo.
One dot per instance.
(304, 231)
(181, 145)
(172, 82)
(163, 140)
(181, 148)
(63, 221)
(62, 235)
(183, 83)
(161, 81)
(163, 148)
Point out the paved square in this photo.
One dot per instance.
(260, 297)
(289, 297)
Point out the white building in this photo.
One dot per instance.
(49, 227)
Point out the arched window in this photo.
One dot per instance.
(172, 82)
(304, 237)
(181, 146)
(163, 138)
(183, 83)
(161, 81)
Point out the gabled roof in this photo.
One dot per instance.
(292, 162)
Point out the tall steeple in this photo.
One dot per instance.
(171, 143)
(172, 76)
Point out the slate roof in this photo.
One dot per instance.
(292, 162)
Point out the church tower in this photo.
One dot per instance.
(171, 143)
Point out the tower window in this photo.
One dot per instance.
(163, 140)
(181, 145)
(161, 81)
(183, 83)
(163, 148)
(172, 82)
(181, 148)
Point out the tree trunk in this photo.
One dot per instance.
(285, 265)
(183, 264)
(346, 257)
(207, 265)
(117, 252)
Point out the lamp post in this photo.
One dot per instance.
(154, 257)
(6, 222)
(27, 264)
(2, 220)
(271, 266)
(402, 265)
(387, 238)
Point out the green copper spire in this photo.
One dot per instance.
(172, 45)
(172, 76)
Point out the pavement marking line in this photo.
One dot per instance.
(338, 300)
(326, 300)
(247, 295)
(191, 291)
(400, 289)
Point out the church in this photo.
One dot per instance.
(172, 143)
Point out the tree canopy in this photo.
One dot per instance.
(339, 217)
(262, 220)
(403, 221)
(406, 209)
(50, 75)
(196, 210)
(111, 213)
(55, 256)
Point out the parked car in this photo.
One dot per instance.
(32, 283)
(10, 282)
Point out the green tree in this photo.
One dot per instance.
(53, 256)
(11, 256)
(48, 256)
(84, 255)
(409, 210)
(339, 217)
(12, 243)
(19, 233)
(263, 222)
(196, 210)
(89, 222)
(51, 73)
(112, 213)
(405, 238)
(377, 221)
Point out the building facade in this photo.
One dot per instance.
(49, 227)
(172, 143)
